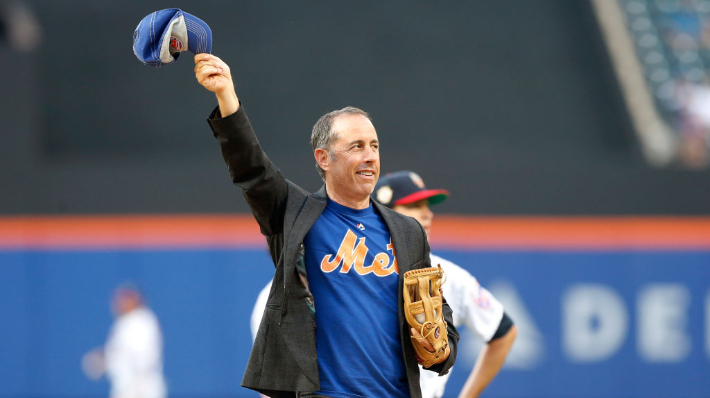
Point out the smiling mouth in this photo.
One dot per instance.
(365, 173)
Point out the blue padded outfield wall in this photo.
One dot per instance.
(592, 324)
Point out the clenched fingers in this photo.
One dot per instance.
(421, 340)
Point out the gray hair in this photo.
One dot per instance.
(323, 137)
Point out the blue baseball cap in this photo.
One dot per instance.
(162, 35)
(404, 187)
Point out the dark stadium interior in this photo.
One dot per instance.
(513, 106)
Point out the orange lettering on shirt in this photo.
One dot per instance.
(351, 256)
(395, 265)
(379, 265)
(348, 255)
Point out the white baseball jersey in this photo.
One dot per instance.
(134, 363)
(259, 308)
(473, 306)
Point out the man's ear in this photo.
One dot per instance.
(322, 158)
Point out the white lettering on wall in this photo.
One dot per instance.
(594, 322)
(663, 323)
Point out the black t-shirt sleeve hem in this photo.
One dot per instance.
(505, 324)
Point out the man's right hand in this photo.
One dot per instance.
(214, 75)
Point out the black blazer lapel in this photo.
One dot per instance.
(302, 346)
(312, 209)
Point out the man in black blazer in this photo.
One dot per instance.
(334, 324)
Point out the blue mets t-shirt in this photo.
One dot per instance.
(353, 276)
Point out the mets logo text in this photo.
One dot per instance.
(352, 256)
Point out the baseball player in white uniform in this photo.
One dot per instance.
(473, 305)
(132, 357)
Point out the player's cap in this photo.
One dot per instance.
(162, 35)
(404, 187)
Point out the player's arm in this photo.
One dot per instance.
(265, 189)
(490, 360)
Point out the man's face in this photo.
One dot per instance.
(354, 168)
(419, 211)
(124, 302)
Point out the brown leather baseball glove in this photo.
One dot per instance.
(423, 303)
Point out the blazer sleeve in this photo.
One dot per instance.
(263, 185)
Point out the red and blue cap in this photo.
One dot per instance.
(404, 187)
(162, 35)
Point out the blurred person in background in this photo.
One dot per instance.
(473, 306)
(693, 107)
(19, 27)
(132, 358)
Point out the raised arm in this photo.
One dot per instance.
(265, 189)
